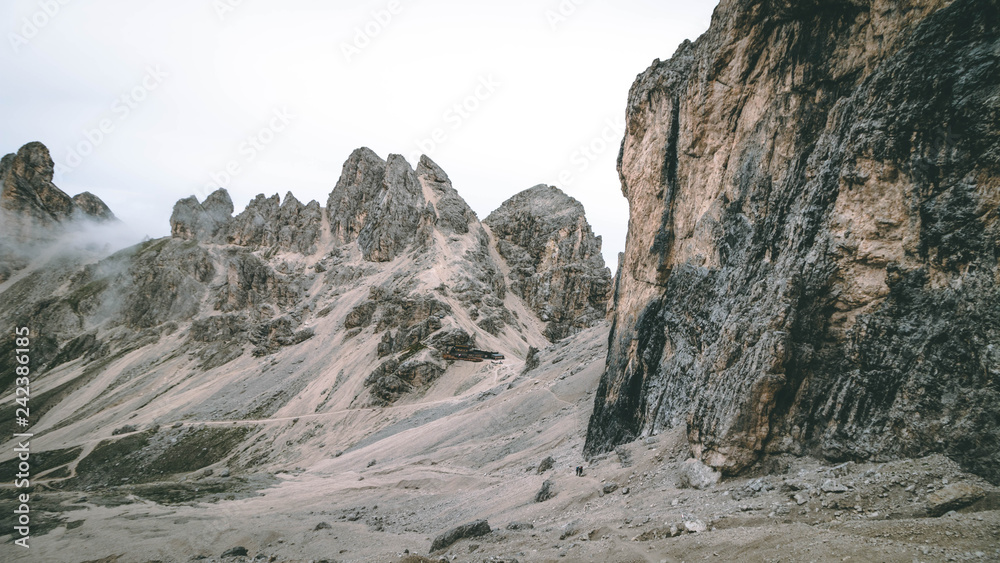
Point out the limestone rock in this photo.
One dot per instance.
(546, 464)
(93, 207)
(206, 221)
(811, 257)
(166, 281)
(555, 259)
(453, 214)
(546, 492)
(471, 530)
(269, 222)
(361, 316)
(33, 211)
(394, 378)
(697, 475)
(380, 204)
(953, 497)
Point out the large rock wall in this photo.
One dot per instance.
(555, 260)
(812, 257)
(31, 206)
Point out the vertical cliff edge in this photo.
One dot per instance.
(812, 258)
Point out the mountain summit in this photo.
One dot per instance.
(33, 211)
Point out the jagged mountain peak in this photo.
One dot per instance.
(34, 213)
(32, 204)
(555, 258)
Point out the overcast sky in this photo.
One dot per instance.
(146, 102)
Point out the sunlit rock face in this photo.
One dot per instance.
(34, 213)
(32, 206)
(812, 255)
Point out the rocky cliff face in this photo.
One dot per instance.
(33, 211)
(32, 204)
(812, 258)
(555, 259)
(380, 204)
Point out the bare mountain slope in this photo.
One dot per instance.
(272, 339)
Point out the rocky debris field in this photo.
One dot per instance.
(460, 482)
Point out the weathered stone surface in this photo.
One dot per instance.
(953, 497)
(546, 492)
(555, 259)
(696, 475)
(546, 464)
(252, 282)
(479, 284)
(471, 530)
(361, 316)
(33, 211)
(28, 192)
(811, 264)
(268, 222)
(393, 378)
(93, 207)
(453, 214)
(381, 205)
(166, 281)
(204, 222)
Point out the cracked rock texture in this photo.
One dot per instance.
(33, 211)
(32, 204)
(380, 204)
(555, 259)
(269, 222)
(812, 257)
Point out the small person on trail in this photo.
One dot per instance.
(579, 471)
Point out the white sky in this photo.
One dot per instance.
(539, 81)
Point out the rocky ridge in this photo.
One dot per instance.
(397, 271)
(33, 211)
(811, 264)
(555, 259)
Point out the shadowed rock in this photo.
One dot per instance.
(811, 263)
(32, 209)
(471, 530)
(380, 204)
(555, 259)
(205, 222)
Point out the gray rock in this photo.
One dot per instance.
(361, 316)
(811, 276)
(570, 529)
(546, 464)
(380, 205)
(205, 222)
(546, 492)
(453, 214)
(831, 486)
(238, 551)
(268, 222)
(393, 378)
(555, 260)
(696, 475)
(471, 530)
(695, 526)
(34, 213)
(953, 497)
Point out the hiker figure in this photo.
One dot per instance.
(579, 471)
